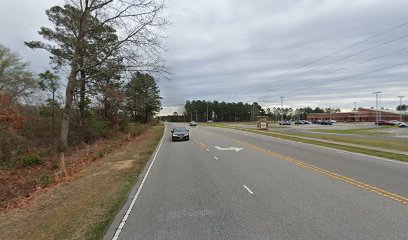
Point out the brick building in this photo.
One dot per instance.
(361, 115)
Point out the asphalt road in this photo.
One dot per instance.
(271, 189)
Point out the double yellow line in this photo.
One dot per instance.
(342, 178)
(201, 144)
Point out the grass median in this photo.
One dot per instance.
(358, 131)
(395, 156)
(84, 207)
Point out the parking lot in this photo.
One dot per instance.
(366, 128)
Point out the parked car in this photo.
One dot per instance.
(306, 122)
(299, 122)
(193, 123)
(210, 121)
(285, 123)
(332, 121)
(317, 122)
(395, 122)
(326, 122)
(383, 122)
(180, 133)
(403, 125)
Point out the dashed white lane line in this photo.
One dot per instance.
(249, 190)
(215, 158)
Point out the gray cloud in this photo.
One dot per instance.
(239, 50)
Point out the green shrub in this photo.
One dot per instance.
(45, 179)
(135, 129)
(28, 160)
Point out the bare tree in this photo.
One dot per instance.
(16, 81)
(137, 23)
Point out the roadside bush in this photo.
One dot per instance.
(28, 160)
(136, 129)
(11, 147)
(45, 179)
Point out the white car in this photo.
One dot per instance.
(395, 122)
(193, 123)
(403, 125)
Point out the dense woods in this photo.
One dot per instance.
(105, 59)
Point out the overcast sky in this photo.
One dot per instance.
(240, 50)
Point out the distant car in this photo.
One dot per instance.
(285, 123)
(383, 122)
(193, 123)
(317, 122)
(180, 133)
(333, 121)
(299, 122)
(210, 121)
(306, 122)
(326, 122)
(403, 125)
(395, 122)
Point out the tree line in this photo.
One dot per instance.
(238, 111)
(105, 57)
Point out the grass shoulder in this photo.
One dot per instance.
(84, 207)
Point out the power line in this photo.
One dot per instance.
(356, 64)
(338, 60)
(329, 55)
(349, 77)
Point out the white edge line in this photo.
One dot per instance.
(122, 223)
(249, 190)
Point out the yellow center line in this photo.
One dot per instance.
(199, 143)
(339, 177)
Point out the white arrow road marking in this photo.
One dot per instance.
(249, 190)
(229, 149)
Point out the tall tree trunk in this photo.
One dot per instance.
(69, 94)
(83, 88)
(69, 97)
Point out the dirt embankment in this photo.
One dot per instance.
(83, 206)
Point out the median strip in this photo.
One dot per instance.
(384, 153)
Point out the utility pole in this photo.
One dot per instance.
(355, 111)
(207, 111)
(253, 112)
(379, 106)
(376, 107)
(281, 108)
(400, 97)
(330, 112)
(191, 116)
(196, 116)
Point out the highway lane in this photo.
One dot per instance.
(195, 191)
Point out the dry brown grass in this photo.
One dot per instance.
(83, 207)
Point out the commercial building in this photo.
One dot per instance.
(359, 115)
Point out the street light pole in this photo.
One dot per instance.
(196, 116)
(400, 97)
(281, 108)
(376, 107)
